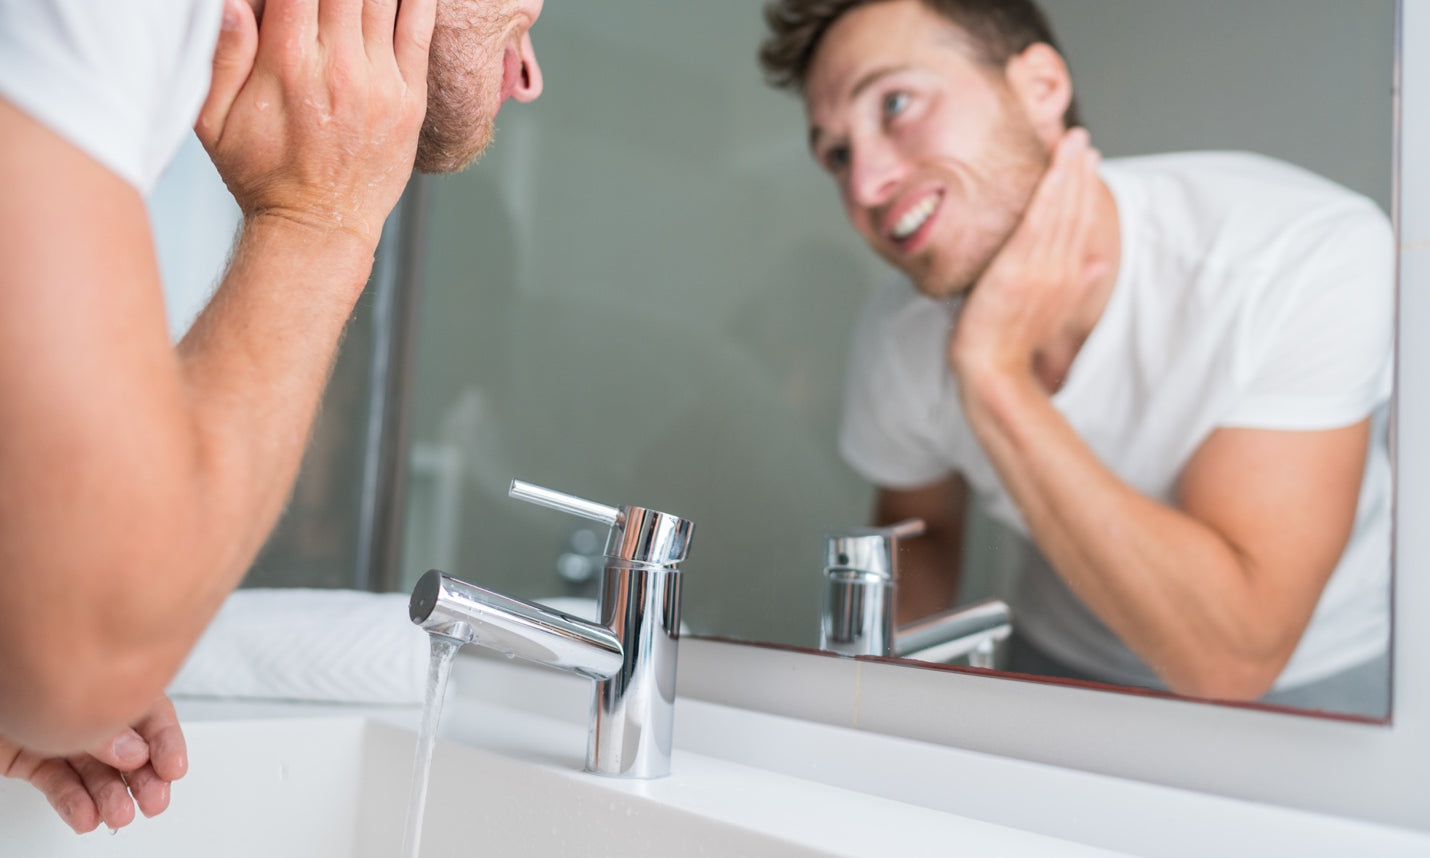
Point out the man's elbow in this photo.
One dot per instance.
(1231, 677)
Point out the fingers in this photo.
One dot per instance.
(168, 753)
(412, 40)
(150, 791)
(341, 21)
(289, 26)
(107, 789)
(233, 62)
(126, 752)
(56, 780)
(1066, 204)
(62, 786)
(379, 20)
(1059, 218)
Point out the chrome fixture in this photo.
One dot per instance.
(631, 654)
(861, 575)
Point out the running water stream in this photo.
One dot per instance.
(443, 649)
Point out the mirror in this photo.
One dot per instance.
(647, 291)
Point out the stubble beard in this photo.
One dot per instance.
(1018, 162)
(463, 82)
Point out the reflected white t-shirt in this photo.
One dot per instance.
(1252, 294)
(123, 80)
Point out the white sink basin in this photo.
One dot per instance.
(338, 787)
(293, 781)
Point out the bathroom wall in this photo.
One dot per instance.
(643, 293)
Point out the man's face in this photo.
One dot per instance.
(481, 56)
(934, 157)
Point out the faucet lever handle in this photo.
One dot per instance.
(906, 528)
(562, 502)
(638, 535)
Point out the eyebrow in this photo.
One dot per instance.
(869, 78)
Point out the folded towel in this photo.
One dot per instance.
(332, 646)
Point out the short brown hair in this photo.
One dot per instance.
(997, 29)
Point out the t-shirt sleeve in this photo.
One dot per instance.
(122, 80)
(1317, 344)
(883, 435)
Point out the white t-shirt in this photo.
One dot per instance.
(1252, 294)
(123, 80)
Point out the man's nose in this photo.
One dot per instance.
(528, 84)
(875, 171)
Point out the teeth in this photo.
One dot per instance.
(914, 218)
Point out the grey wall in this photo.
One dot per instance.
(643, 294)
(1304, 80)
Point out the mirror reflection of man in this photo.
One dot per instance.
(138, 480)
(1162, 370)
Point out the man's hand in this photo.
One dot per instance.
(314, 115)
(103, 785)
(1031, 290)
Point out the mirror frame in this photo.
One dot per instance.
(1376, 769)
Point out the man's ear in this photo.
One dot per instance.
(1040, 81)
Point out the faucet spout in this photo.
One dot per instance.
(971, 631)
(444, 605)
(631, 655)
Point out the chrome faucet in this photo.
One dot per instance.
(861, 573)
(631, 653)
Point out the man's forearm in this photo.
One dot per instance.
(1171, 587)
(255, 364)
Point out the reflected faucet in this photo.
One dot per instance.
(631, 653)
(861, 575)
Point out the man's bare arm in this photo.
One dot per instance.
(137, 482)
(1213, 594)
(929, 565)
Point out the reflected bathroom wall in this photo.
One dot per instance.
(644, 293)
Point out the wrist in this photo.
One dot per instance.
(991, 392)
(331, 253)
(312, 231)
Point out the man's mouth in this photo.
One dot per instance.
(914, 218)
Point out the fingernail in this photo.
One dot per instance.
(130, 747)
(230, 16)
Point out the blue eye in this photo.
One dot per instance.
(895, 103)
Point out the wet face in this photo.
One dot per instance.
(933, 154)
(481, 56)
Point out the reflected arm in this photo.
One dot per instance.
(930, 566)
(1215, 592)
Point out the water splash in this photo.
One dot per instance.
(443, 649)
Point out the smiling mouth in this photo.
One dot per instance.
(914, 218)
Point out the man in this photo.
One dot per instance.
(1162, 370)
(137, 481)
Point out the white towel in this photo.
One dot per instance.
(331, 646)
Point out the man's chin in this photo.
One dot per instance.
(452, 153)
(939, 286)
